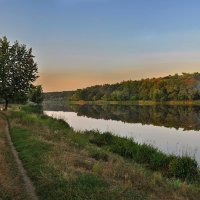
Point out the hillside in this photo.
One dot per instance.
(169, 88)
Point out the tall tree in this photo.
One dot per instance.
(17, 70)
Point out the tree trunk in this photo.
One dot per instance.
(6, 104)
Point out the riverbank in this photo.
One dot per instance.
(101, 102)
(64, 163)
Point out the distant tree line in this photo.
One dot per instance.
(176, 87)
(51, 96)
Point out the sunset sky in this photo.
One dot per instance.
(78, 43)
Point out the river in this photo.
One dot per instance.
(171, 129)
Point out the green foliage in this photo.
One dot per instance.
(160, 161)
(183, 168)
(177, 87)
(17, 71)
(102, 139)
(36, 94)
(32, 109)
(145, 153)
(19, 99)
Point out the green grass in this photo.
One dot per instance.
(11, 183)
(81, 186)
(99, 154)
(64, 164)
(184, 167)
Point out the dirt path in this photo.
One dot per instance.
(26, 182)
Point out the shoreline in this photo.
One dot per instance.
(140, 102)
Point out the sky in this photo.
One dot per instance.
(79, 43)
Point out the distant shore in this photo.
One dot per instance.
(140, 102)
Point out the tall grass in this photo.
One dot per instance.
(184, 168)
(34, 115)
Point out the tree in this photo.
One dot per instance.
(176, 87)
(36, 94)
(17, 70)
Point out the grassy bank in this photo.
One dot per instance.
(65, 164)
(11, 185)
(81, 102)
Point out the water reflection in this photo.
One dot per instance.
(186, 117)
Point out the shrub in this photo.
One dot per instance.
(125, 147)
(160, 161)
(145, 153)
(102, 139)
(129, 149)
(184, 168)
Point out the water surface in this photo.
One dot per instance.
(172, 129)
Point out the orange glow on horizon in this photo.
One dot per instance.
(74, 79)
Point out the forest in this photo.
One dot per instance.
(173, 87)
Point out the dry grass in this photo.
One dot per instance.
(70, 155)
(119, 173)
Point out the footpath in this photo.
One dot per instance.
(14, 181)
